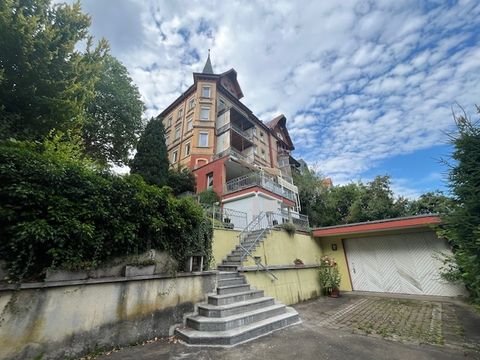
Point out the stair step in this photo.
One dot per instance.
(230, 263)
(203, 323)
(216, 311)
(227, 267)
(240, 334)
(232, 289)
(226, 275)
(233, 258)
(237, 252)
(225, 299)
(233, 281)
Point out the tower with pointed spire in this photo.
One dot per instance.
(209, 130)
(208, 69)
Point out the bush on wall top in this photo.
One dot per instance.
(57, 213)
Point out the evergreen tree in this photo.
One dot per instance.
(462, 225)
(151, 159)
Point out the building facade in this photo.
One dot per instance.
(246, 161)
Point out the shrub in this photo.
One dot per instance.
(329, 275)
(289, 227)
(57, 213)
(208, 197)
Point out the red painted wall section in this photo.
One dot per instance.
(217, 168)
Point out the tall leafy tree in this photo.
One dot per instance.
(462, 224)
(151, 159)
(433, 202)
(310, 186)
(114, 115)
(375, 202)
(45, 81)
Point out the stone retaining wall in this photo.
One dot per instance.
(58, 320)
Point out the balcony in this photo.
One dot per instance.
(234, 154)
(246, 134)
(258, 179)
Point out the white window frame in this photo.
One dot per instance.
(189, 124)
(174, 156)
(180, 113)
(191, 103)
(178, 132)
(200, 137)
(169, 121)
(209, 179)
(188, 148)
(201, 113)
(209, 91)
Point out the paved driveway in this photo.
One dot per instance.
(351, 327)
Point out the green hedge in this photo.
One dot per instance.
(56, 213)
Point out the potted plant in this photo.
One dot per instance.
(329, 277)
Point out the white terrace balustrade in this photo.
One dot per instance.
(257, 179)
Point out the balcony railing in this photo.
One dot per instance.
(237, 129)
(224, 218)
(235, 154)
(257, 179)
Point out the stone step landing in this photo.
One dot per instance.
(235, 314)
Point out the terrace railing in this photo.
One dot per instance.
(224, 218)
(257, 179)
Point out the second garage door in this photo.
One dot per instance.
(406, 263)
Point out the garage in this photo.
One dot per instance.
(392, 256)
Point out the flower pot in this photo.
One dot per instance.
(335, 293)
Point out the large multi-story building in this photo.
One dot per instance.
(245, 161)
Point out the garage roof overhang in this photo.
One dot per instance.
(395, 224)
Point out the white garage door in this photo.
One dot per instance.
(399, 264)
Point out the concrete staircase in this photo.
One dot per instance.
(250, 241)
(235, 314)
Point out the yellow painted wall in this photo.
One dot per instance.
(292, 286)
(339, 256)
(279, 248)
(224, 241)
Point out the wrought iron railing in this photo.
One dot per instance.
(257, 179)
(300, 221)
(224, 218)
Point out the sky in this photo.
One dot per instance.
(367, 87)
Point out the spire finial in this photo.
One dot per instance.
(208, 69)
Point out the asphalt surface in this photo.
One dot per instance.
(315, 340)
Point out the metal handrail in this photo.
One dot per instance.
(257, 223)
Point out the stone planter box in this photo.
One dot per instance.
(131, 270)
(64, 275)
